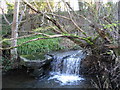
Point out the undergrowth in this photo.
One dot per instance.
(38, 46)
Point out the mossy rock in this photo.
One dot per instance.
(35, 61)
(36, 56)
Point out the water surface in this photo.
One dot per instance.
(65, 74)
(21, 79)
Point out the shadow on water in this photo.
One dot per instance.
(21, 79)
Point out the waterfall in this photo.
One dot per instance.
(71, 66)
(66, 69)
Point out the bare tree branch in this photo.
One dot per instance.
(58, 16)
(5, 17)
(24, 37)
(76, 24)
(21, 16)
(48, 3)
(47, 37)
(46, 16)
(93, 25)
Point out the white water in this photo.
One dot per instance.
(71, 66)
(66, 79)
(66, 71)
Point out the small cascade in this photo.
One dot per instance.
(66, 69)
(71, 66)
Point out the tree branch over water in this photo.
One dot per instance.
(41, 38)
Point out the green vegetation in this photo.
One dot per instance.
(6, 63)
(10, 7)
(6, 29)
(108, 26)
(38, 46)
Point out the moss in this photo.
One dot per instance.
(35, 56)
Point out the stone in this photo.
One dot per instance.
(36, 66)
(35, 63)
(37, 72)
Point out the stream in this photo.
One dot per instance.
(65, 73)
(20, 80)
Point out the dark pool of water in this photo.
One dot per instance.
(21, 79)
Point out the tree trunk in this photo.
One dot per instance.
(0, 52)
(14, 54)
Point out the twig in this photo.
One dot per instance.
(21, 16)
(48, 3)
(58, 16)
(76, 24)
(24, 37)
(47, 37)
(46, 16)
(5, 17)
